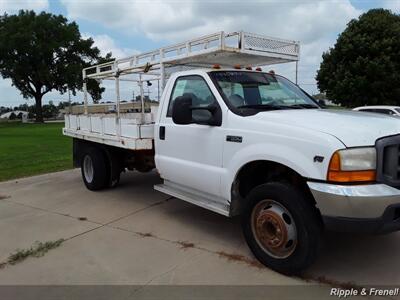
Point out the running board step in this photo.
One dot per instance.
(180, 193)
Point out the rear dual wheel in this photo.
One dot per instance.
(281, 227)
(96, 171)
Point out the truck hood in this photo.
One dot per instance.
(352, 128)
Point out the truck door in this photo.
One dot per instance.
(190, 155)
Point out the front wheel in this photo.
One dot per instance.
(281, 227)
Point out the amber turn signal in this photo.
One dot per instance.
(351, 176)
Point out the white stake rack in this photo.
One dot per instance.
(225, 49)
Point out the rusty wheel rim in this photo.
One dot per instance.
(274, 228)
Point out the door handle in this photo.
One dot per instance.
(162, 133)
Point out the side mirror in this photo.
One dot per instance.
(182, 113)
(215, 118)
(182, 110)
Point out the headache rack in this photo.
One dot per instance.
(224, 49)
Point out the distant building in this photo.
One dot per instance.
(15, 114)
(322, 97)
(330, 103)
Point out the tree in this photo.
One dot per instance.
(49, 110)
(44, 52)
(363, 67)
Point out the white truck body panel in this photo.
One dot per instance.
(191, 155)
(124, 132)
(354, 129)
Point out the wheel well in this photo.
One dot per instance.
(80, 148)
(111, 156)
(117, 158)
(259, 172)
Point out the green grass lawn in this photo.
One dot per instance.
(29, 149)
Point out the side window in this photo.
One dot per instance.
(384, 111)
(196, 87)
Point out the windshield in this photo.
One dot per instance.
(256, 91)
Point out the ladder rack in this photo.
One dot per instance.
(225, 49)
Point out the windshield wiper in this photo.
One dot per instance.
(303, 105)
(264, 106)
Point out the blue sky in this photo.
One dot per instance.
(128, 26)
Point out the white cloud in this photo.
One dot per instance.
(393, 5)
(13, 6)
(106, 44)
(173, 20)
(314, 23)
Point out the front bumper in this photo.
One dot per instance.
(373, 208)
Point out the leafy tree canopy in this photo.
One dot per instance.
(363, 68)
(44, 52)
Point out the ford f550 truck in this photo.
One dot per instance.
(236, 140)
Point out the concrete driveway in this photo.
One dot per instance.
(135, 235)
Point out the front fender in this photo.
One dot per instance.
(298, 159)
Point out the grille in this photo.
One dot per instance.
(388, 160)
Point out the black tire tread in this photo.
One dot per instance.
(101, 172)
(307, 223)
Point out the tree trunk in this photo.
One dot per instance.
(39, 115)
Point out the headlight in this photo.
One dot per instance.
(353, 165)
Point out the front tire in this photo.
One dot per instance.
(281, 227)
(94, 169)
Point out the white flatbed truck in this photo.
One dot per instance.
(239, 141)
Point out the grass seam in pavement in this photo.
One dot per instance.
(38, 249)
(41, 248)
